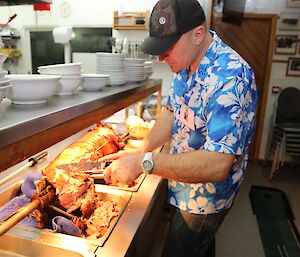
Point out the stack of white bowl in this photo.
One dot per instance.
(148, 66)
(4, 82)
(112, 65)
(94, 82)
(70, 76)
(134, 70)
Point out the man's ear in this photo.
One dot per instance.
(199, 34)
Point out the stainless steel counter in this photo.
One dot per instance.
(26, 130)
(124, 237)
(18, 121)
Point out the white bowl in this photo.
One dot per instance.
(95, 76)
(93, 86)
(2, 60)
(61, 69)
(32, 88)
(2, 74)
(4, 82)
(68, 86)
(2, 91)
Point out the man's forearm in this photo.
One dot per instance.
(193, 167)
(160, 133)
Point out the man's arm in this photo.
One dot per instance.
(160, 134)
(193, 167)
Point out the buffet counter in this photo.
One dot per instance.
(27, 130)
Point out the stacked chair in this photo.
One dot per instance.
(285, 129)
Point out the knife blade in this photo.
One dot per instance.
(82, 166)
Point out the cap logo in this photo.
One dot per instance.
(162, 20)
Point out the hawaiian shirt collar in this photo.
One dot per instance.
(211, 54)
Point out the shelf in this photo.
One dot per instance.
(27, 130)
(131, 20)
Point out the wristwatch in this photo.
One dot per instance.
(147, 163)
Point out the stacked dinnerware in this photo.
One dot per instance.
(148, 66)
(113, 65)
(70, 76)
(94, 82)
(134, 70)
(4, 82)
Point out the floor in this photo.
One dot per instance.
(239, 235)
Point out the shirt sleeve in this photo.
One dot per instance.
(171, 100)
(230, 117)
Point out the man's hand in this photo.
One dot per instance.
(125, 167)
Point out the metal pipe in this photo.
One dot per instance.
(21, 214)
(31, 162)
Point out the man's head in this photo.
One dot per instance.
(169, 20)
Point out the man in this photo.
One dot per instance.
(210, 120)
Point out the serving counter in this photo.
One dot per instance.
(27, 130)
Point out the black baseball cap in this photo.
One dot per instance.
(168, 21)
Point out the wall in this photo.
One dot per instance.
(278, 73)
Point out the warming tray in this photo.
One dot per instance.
(58, 240)
(133, 188)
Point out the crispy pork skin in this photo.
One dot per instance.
(75, 187)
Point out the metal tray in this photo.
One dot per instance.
(79, 245)
(134, 188)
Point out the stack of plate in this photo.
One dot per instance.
(134, 69)
(112, 65)
(148, 66)
(94, 82)
(70, 76)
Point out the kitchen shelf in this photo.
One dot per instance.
(27, 130)
(129, 20)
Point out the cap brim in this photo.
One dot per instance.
(158, 46)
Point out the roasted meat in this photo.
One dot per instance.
(99, 221)
(74, 188)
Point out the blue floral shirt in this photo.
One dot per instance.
(222, 93)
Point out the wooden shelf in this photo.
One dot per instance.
(130, 20)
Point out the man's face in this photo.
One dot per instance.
(180, 55)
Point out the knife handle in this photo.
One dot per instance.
(36, 159)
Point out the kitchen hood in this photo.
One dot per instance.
(19, 2)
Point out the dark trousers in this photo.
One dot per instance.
(192, 235)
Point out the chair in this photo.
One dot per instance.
(285, 129)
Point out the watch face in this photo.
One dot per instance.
(147, 165)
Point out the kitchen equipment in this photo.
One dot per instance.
(82, 166)
(60, 240)
(32, 88)
(31, 163)
(61, 69)
(11, 220)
